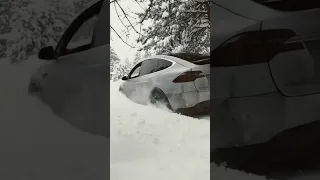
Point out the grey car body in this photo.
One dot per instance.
(74, 81)
(263, 70)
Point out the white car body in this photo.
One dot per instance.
(182, 95)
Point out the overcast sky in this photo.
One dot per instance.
(124, 51)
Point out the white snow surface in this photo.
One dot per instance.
(149, 143)
(146, 143)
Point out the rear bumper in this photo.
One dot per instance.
(199, 108)
(293, 149)
(194, 101)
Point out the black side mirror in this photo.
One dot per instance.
(125, 78)
(46, 53)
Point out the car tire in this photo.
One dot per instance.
(158, 98)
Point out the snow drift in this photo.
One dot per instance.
(150, 143)
(38, 145)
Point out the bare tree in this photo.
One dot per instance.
(129, 20)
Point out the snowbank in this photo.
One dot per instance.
(149, 143)
(38, 145)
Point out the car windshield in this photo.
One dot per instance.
(198, 59)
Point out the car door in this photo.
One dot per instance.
(163, 77)
(148, 79)
(139, 87)
(75, 84)
(130, 86)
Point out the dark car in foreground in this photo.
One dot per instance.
(265, 77)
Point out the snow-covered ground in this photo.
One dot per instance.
(149, 143)
(146, 143)
(35, 144)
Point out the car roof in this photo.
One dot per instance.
(176, 57)
(167, 57)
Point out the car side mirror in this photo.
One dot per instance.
(46, 53)
(125, 78)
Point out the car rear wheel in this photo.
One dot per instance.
(158, 98)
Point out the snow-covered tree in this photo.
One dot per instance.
(29, 25)
(147, 54)
(121, 69)
(137, 58)
(177, 25)
(114, 60)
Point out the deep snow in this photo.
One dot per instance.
(149, 143)
(146, 143)
(35, 144)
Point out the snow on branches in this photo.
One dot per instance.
(28, 25)
(177, 26)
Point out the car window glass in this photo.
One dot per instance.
(84, 34)
(135, 72)
(243, 49)
(149, 66)
(295, 65)
(78, 36)
(163, 64)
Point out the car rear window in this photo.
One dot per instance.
(198, 59)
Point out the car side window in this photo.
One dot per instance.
(135, 72)
(243, 49)
(78, 36)
(149, 66)
(84, 34)
(163, 64)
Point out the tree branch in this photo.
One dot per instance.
(125, 14)
(121, 38)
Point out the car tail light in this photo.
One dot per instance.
(188, 76)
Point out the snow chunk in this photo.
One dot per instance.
(165, 14)
(164, 5)
(182, 7)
